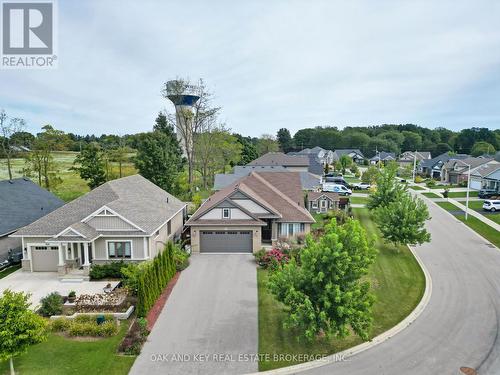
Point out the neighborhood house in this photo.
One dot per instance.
(256, 209)
(127, 219)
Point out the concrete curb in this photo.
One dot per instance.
(342, 356)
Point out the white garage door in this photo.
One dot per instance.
(44, 258)
(226, 241)
(476, 185)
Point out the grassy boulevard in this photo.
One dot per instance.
(491, 234)
(397, 282)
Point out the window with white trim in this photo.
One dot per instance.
(119, 249)
(315, 204)
(226, 213)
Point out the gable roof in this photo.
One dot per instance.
(346, 151)
(22, 202)
(315, 195)
(486, 170)
(463, 164)
(279, 158)
(444, 157)
(134, 198)
(382, 155)
(280, 193)
(420, 155)
(309, 180)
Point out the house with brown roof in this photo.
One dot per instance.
(455, 171)
(322, 201)
(295, 163)
(256, 209)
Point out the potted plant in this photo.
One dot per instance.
(72, 296)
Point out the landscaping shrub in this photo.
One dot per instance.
(273, 259)
(107, 271)
(181, 258)
(418, 179)
(136, 336)
(153, 278)
(51, 305)
(430, 183)
(259, 255)
(131, 274)
(86, 325)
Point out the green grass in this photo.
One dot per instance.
(415, 187)
(483, 229)
(397, 282)
(358, 200)
(8, 271)
(444, 186)
(59, 355)
(72, 185)
(352, 179)
(431, 195)
(448, 206)
(461, 194)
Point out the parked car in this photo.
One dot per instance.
(361, 186)
(487, 193)
(15, 256)
(337, 188)
(339, 180)
(491, 205)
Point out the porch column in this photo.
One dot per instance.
(86, 254)
(61, 254)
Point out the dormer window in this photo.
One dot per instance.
(226, 213)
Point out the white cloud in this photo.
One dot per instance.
(271, 64)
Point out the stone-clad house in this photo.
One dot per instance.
(127, 219)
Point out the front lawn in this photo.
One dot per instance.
(397, 282)
(416, 187)
(59, 355)
(358, 200)
(8, 271)
(483, 229)
(461, 194)
(431, 195)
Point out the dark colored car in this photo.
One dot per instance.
(487, 193)
(337, 180)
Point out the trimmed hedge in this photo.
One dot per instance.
(153, 278)
(111, 270)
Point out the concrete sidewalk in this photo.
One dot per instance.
(477, 215)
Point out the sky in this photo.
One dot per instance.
(270, 64)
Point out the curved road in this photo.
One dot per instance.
(460, 324)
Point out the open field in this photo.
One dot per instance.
(397, 282)
(358, 200)
(61, 356)
(72, 185)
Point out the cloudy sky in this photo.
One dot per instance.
(271, 64)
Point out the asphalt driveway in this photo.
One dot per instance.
(209, 324)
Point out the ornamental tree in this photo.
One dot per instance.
(19, 326)
(388, 188)
(325, 293)
(403, 220)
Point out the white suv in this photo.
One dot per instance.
(491, 205)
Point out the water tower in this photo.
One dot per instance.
(184, 97)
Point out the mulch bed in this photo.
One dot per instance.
(155, 311)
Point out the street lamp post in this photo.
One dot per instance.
(468, 188)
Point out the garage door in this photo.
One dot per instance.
(226, 241)
(474, 184)
(44, 258)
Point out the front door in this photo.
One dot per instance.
(267, 231)
(323, 205)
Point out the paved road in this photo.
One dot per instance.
(460, 325)
(212, 310)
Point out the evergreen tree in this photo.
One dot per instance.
(90, 165)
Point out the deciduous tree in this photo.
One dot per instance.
(9, 126)
(20, 327)
(325, 294)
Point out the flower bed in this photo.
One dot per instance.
(86, 326)
(116, 301)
